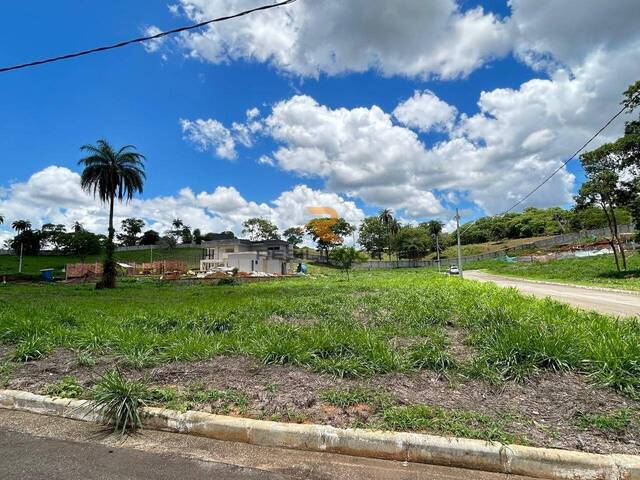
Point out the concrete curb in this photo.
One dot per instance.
(411, 447)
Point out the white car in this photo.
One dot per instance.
(454, 270)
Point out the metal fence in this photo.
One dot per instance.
(556, 240)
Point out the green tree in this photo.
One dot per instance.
(29, 241)
(294, 235)
(373, 237)
(81, 244)
(150, 237)
(111, 175)
(52, 235)
(260, 229)
(197, 236)
(131, 230)
(180, 231)
(601, 189)
(386, 217)
(413, 242)
(328, 232)
(21, 225)
(345, 257)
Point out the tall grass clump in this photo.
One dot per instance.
(119, 400)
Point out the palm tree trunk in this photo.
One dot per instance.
(109, 273)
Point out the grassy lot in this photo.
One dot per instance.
(33, 264)
(374, 351)
(596, 271)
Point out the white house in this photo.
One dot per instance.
(268, 256)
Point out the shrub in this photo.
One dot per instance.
(119, 400)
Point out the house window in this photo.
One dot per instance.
(229, 250)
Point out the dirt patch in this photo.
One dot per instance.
(542, 410)
(458, 348)
(34, 376)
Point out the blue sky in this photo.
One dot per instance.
(131, 95)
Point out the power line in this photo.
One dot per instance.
(564, 164)
(144, 39)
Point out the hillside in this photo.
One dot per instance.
(477, 248)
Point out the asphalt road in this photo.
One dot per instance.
(25, 457)
(625, 304)
(38, 447)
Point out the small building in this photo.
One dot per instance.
(267, 256)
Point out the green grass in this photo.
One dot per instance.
(615, 421)
(66, 387)
(326, 324)
(456, 423)
(32, 265)
(222, 402)
(596, 271)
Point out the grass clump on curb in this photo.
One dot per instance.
(119, 400)
(446, 422)
(66, 387)
(616, 421)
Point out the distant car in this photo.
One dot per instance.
(454, 270)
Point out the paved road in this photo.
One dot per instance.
(27, 457)
(621, 303)
(37, 447)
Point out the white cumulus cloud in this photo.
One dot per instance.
(403, 37)
(425, 111)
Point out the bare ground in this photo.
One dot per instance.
(542, 410)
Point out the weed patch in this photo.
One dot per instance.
(447, 422)
(66, 387)
(616, 421)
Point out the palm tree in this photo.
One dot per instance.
(434, 227)
(386, 218)
(21, 225)
(1, 219)
(111, 175)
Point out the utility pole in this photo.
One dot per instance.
(20, 264)
(458, 232)
(151, 252)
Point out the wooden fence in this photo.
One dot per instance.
(93, 270)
